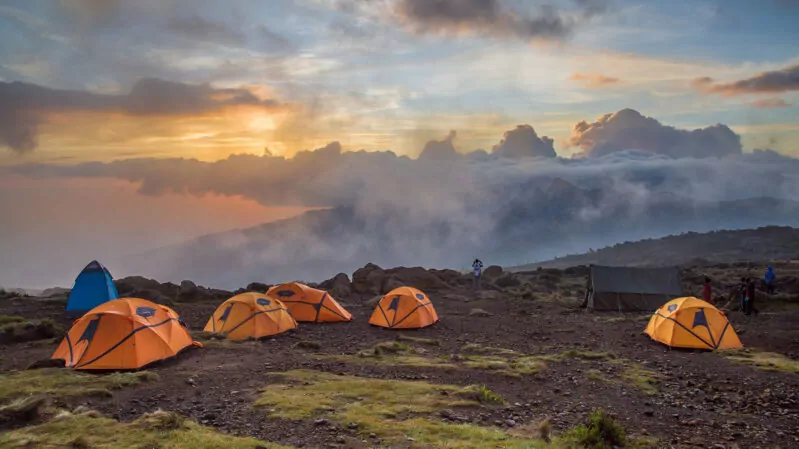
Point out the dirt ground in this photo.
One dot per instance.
(682, 398)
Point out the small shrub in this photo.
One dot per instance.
(23, 410)
(599, 432)
(161, 420)
(482, 394)
(23, 331)
(80, 442)
(545, 430)
(309, 345)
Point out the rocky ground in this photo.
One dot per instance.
(523, 337)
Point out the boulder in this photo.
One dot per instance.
(416, 277)
(369, 279)
(257, 287)
(492, 272)
(187, 287)
(507, 280)
(341, 286)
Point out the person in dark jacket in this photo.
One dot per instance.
(769, 279)
(477, 268)
(707, 291)
(742, 294)
(750, 298)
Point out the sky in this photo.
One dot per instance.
(146, 111)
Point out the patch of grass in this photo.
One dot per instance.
(22, 331)
(593, 374)
(545, 430)
(764, 361)
(486, 362)
(80, 431)
(419, 340)
(23, 410)
(524, 366)
(399, 412)
(600, 431)
(307, 345)
(59, 382)
(480, 349)
(482, 394)
(385, 348)
(577, 354)
(5, 319)
(641, 378)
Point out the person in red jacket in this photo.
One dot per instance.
(707, 291)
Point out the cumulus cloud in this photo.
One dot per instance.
(776, 81)
(23, 106)
(627, 129)
(594, 80)
(440, 150)
(491, 18)
(771, 103)
(524, 142)
(399, 211)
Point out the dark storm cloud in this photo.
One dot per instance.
(776, 81)
(627, 129)
(492, 18)
(24, 106)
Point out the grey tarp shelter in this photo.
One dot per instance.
(627, 289)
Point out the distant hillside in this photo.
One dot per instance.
(766, 243)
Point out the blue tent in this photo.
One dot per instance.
(93, 286)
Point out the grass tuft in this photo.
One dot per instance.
(6, 319)
(23, 410)
(600, 431)
(55, 382)
(419, 340)
(16, 331)
(161, 420)
(545, 430)
(482, 394)
(307, 345)
(764, 361)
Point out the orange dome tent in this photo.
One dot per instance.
(309, 304)
(125, 333)
(692, 323)
(404, 308)
(250, 315)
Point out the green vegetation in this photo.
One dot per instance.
(17, 331)
(764, 361)
(599, 432)
(577, 354)
(394, 353)
(6, 319)
(418, 340)
(162, 430)
(396, 411)
(59, 382)
(641, 378)
(480, 349)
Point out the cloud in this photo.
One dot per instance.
(198, 28)
(439, 213)
(627, 129)
(491, 18)
(776, 81)
(23, 106)
(594, 80)
(524, 142)
(440, 150)
(771, 103)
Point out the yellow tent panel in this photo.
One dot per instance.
(250, 315)
(692, 323)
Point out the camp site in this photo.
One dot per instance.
(405, 357)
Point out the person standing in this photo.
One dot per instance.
(477, 266)
(750, 298)
(707, 291)
(769, 278)
(742, 294)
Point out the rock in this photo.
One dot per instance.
(507, 280)
(492, 272)
(510, 422)
(187, 287)
(480, 313)
(48, 363)
(253, 287)
(416, 277)
(368, 279)
(320, 422)
(649, 412)
(341, 286)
